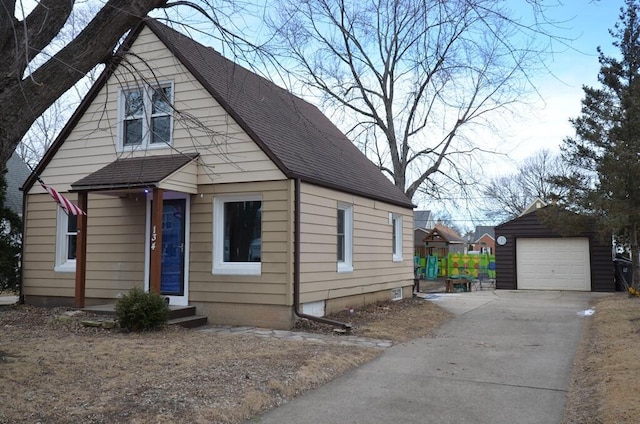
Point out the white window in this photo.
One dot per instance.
(146, 117)
(345, 238)
(237, 235)
(396, 222)
(66, 240)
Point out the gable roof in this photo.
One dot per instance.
(448, 234)
(127, 173)
(422, 219)
(535, 205)
(294, 134)
(482, 230)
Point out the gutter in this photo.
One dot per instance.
(296, 269)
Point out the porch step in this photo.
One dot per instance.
(184, 316)
(189, 321)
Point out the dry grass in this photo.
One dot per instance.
(60, 372)
(606, 378)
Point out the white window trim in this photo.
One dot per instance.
(146, 134)
(62, 264)
(219, 266)
(347, 264)
(396, 222)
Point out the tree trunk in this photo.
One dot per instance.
(23, 100)
(635, 256)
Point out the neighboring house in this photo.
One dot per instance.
(266, 207)
(484, 239)
(440, 241)
(423, 219)
(17, 173)
(530, 255)
(535, 205)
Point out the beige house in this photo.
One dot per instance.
(211, 185)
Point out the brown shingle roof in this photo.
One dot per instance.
(129, 173)
(299, 138)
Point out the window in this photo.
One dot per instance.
(345, 238)
(146, 116)
(237, 235)
(66, 241)
(396, 237)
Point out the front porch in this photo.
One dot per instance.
(184, 316)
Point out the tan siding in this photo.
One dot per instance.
(184, 180)
(115, 247)
(373, 266)
(274, 285)
(227, 153)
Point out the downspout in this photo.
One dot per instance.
(296, 269)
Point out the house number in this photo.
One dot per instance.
(154, 235)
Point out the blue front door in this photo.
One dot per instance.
(173, 219)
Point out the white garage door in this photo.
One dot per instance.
(553, 264)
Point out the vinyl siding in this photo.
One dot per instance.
(373, 265)
(530, 226)
(115, 247)
(227, 153)
(274, 285)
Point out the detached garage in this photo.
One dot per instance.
(532, 256)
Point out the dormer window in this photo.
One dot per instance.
(146, 116)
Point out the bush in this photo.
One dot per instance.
(140, 311)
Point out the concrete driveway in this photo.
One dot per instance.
(505, 358)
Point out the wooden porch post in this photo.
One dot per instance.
(155, 267)
(81, 251)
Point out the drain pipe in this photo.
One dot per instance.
(296, 269)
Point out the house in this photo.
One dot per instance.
(216, 188)
(423, 219)
(442, 240)
(483, 239)
(17, 173)
(532, 255)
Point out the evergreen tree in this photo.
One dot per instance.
(10, 243)
(606, 145)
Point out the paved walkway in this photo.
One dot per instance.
(506, 358)
(339, 339)
(8, 300)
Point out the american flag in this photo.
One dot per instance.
(65, 204)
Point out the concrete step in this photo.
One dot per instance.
(184, 316)
(191, 321)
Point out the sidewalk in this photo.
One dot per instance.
(8, 300)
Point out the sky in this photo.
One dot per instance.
(544, 124)
(547, 123)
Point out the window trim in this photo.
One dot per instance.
(219, 267)
(62, 263)
(347, 264)
(396, 237)
(145, 143)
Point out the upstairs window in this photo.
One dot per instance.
(146, 116)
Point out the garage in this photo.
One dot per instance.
(531, 255)
(553, 264)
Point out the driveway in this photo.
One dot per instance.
(505, 358)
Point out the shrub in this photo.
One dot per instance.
(140, 311)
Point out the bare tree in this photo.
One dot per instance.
(413, 79)
(508, 196)
(30, 85)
